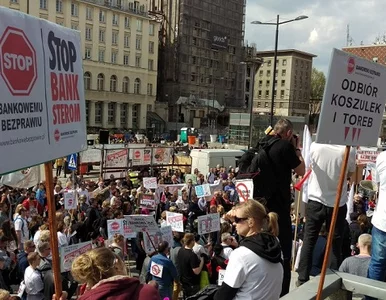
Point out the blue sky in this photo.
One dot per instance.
(325, 28)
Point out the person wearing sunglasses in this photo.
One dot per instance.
(255, 268)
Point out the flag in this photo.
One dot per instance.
(25, 178)
(350, 203)
(303, 184)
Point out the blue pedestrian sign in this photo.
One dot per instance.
(71, 159)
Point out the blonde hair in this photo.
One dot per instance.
(220, 210)
(95, 265)
(19, 207)
(4, 295)
(283, 126)
(45, 236)
(365, 240)
(106, 203)
(118, 238)
(255, 210)
(188, 239)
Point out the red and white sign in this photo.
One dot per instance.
(367, 155)
(42, 105)
(69, 253)
(148, 201)
(175, 220)
(150, 182)
(116, 159)
(119, 226)
(244, 188)
(208, 223)
(70, 201)
(163, 234)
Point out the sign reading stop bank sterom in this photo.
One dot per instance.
(42, 106)
(353, 101)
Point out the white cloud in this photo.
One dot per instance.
(313, 38)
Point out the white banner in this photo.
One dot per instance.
(148, 201)
(366, 155)
(208, 223)
(90, 156)
(69, 253)
(164, 234)
(353, 101)
(42, 105)
(175, 220)
(142, 223)
(70, 201)
(150, 182)
(119, 226)
(244, 188)
(26, 178)
(161, 156)
(116, 158)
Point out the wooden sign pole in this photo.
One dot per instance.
(53, 229)
(342, 180)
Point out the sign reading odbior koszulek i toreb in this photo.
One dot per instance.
(353, 101)
(42, 105)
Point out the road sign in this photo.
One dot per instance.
(72, 165)
(353, 101)
(17, 62)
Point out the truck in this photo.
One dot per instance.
(204, 159)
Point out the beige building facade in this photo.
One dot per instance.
(292, 83)
(120, 55)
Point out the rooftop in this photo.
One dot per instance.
(284, 51)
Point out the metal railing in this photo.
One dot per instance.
(339, 285)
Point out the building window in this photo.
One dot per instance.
(138, 42)
(126, 59)
(149, 89)
(259, 95)
(266, 94)
(89, 33)
(87, 111)
(115, 20)
(258, 104)
(89, 13)
(149, 107)
(127, 22)
(375, 59)
(101, 36)
(101, 56)
(260, 83)
(110, 112)
(151, 29)
(265, 104)
(87, 80)
(267, 83)
(283, 83)
(269, 63)
(102, 16)
(284, 62)
(98, 112)
(139, 25)
(125, 85)
(138, 61)
(114, 56)
(137, 86)
(151, 47)
(126, 41)
(14, 1)
(101, 82)
(59, 6)
(113, 83)
(114, 38)
(281, 105)
(74, 9)
(43, 4)
(261, 73)
(74, 26)
(123, 113)
(151, 65)
(283, 72)
(282, 94)
(268, 73)
(134, 115)
(87, 53)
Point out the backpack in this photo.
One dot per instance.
(256, 164)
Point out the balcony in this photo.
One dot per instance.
(123, 5)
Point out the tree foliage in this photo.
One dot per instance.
(318, 81)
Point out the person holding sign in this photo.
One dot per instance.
(254, 270)
(163, 270)
(106, 277)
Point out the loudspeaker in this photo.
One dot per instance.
(90, 142)
(103, 136)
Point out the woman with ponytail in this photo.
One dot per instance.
(254, 269)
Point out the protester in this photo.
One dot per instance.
(254, 270)
(33, 281)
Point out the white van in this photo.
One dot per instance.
(204, 159)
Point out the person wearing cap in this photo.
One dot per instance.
(163, 270)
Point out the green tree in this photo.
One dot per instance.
(318, 82)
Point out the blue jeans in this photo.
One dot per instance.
(377, 267)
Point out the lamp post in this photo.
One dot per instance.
(277, 24)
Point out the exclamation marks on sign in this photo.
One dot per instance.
(356, 132)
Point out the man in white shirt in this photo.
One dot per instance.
(377, 267)
(21, 228)
(326, 164)
(228, 242)
(82, 191)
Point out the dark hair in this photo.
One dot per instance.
(197, 237)
(217, 249)
(162, 246)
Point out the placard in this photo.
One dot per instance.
(367, 155)
(244, 188)
(42, 104)
(70, 201)
(116, 158)
(221, 276)
(119, 226)
(353, 101)
(175, 220)
(161, 156)
(148, 201)
(208, 223)
(69, 253)
(202, 190)
(91, 156)
(163, 234)
(142, 223)
(150, 182)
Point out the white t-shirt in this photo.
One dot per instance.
(22, 225)
(326, 163)
(85, 192)
(379, 216)
(33, 284)
(62, 239)
(256, 278)
(226, 252)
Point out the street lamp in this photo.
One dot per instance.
(277, 23)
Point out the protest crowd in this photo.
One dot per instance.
(211, 238)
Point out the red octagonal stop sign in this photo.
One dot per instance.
(17, 62)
